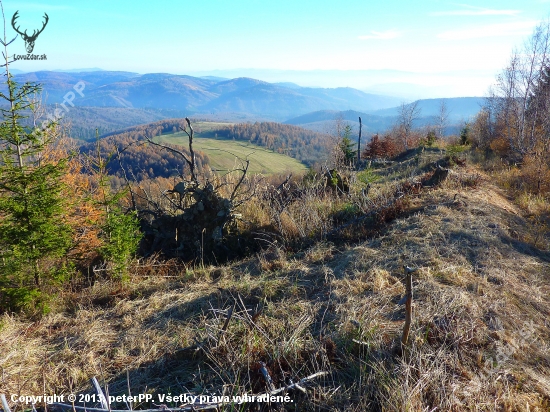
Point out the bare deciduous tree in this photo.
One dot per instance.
(442, 119)
(408, 113)
(482, 129)
(515, 103)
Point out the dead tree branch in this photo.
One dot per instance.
(190, 162)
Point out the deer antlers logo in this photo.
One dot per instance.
(29, 40)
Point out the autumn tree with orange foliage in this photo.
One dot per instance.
(380, 148)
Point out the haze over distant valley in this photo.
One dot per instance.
(113, 100)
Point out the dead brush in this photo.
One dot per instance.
(156, 266)
(238, 342)
(272, 258)
(471, 181)
(374, 212)
(301, 215)
(306, 211)
(147, 275)
(463, 179)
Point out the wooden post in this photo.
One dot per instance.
(408, 304)
(359, 141)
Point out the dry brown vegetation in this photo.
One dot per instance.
(480, 338)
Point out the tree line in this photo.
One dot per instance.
(307, 146)
(514, 123)
(132, 157)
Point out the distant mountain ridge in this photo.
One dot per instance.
(113, 100)
(459, 110)
(323, 120)
(200, 95)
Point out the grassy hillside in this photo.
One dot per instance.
(224, 154)
(141, 161)
(480, 338)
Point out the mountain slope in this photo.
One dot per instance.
(323, 120)
(262, 99)
(479, 339)
(232, 100)
(201, 95)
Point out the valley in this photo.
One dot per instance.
(116, 100)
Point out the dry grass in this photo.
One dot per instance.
(480, 338)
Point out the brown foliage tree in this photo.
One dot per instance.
(378, 148)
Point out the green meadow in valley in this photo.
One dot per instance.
(226, 154)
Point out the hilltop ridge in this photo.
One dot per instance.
(480, 333)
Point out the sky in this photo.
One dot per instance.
(412, 49)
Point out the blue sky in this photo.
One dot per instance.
(429, 48)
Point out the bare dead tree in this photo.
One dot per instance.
(507, 84)
(196, 214)
(442, 118)
(533, 65)
(518, 109)
(408, 114)
(191, 161)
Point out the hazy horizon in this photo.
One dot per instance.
(327, 79)
(431, 49)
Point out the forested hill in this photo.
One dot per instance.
(151, 129)
(301, 144)
(304, 145)
(141, 160)
(138, 159)
(201, 96)
(83, 121)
